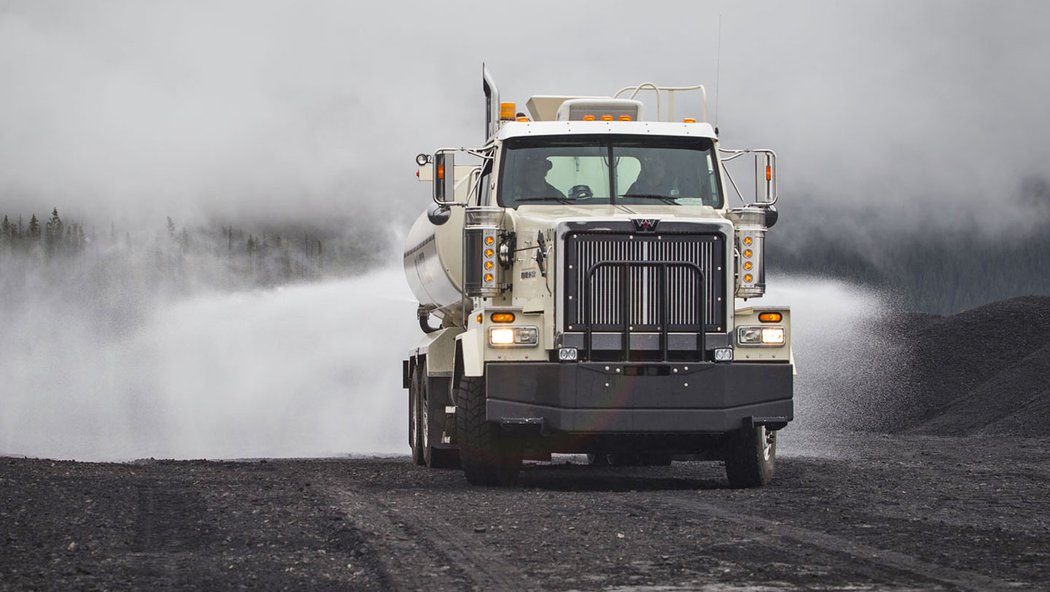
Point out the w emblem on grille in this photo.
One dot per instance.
(645, 224)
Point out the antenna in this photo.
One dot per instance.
(718, 69)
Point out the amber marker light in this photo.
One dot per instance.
(489, 277)
(748, 240)
(770, 317)
(489, 252)
(769, 173)
(441, 171)
(748, 253)
(748, 277)
(502, 317)
(489, 240)
(479, 317)
(488, 265)
(588, 117)
(607, 117)
(688, 120)
(625, 118)
(748, 265)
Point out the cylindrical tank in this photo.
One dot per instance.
(434, 263)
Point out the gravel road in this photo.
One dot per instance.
(843, 513)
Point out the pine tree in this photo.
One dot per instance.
(34, 227)
(171, 228)
(54, 231)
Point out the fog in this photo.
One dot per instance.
(911, 119)
(928, 113)
(296, 371)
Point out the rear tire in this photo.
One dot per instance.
(431, 430)
(415, 439)
(489, 455)
(750, 457)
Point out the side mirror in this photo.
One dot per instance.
(770, 192)
(438, 214)
(444, 178)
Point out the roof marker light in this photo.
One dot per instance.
(588, 117)
(689, 120)
(625, 118)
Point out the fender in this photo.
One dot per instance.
(440, 349)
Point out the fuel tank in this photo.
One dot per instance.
(434, 263)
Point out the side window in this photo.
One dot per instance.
(483, 191)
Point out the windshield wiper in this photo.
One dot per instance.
(558, 198)
(667, 199)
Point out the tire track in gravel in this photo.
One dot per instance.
(949, 576)
(420, 550)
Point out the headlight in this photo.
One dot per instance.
(769, 336)
(513, 337)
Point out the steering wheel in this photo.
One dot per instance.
(581, 192)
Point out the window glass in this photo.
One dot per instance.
(609, 169)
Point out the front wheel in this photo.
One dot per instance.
(489, 455)
(750, 457)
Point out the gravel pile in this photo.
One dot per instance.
(982, 371)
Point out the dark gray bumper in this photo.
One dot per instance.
(639, 398)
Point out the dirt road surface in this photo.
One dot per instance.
(860, 512)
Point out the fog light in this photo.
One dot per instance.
(724, 354)
(568, 354)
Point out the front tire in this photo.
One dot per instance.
(750, 457)
(489, 455)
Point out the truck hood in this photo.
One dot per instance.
(548, 216)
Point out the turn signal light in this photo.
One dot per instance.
(502, 317)
(770, 317)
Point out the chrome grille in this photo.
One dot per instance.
(586, 258)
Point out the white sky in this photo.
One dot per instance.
(307, 110)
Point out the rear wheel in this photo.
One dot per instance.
(431, 429)
(489, 455)
(750, 457)
(415, 439)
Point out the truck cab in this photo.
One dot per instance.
(585, 270)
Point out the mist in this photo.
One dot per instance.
(308, 370)
(891, 125)
(929, 113)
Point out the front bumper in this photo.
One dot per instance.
(596, 397)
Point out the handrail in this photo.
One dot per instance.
(670, 90)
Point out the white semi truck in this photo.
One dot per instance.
(583, 287)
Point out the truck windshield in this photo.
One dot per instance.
(609, 169)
